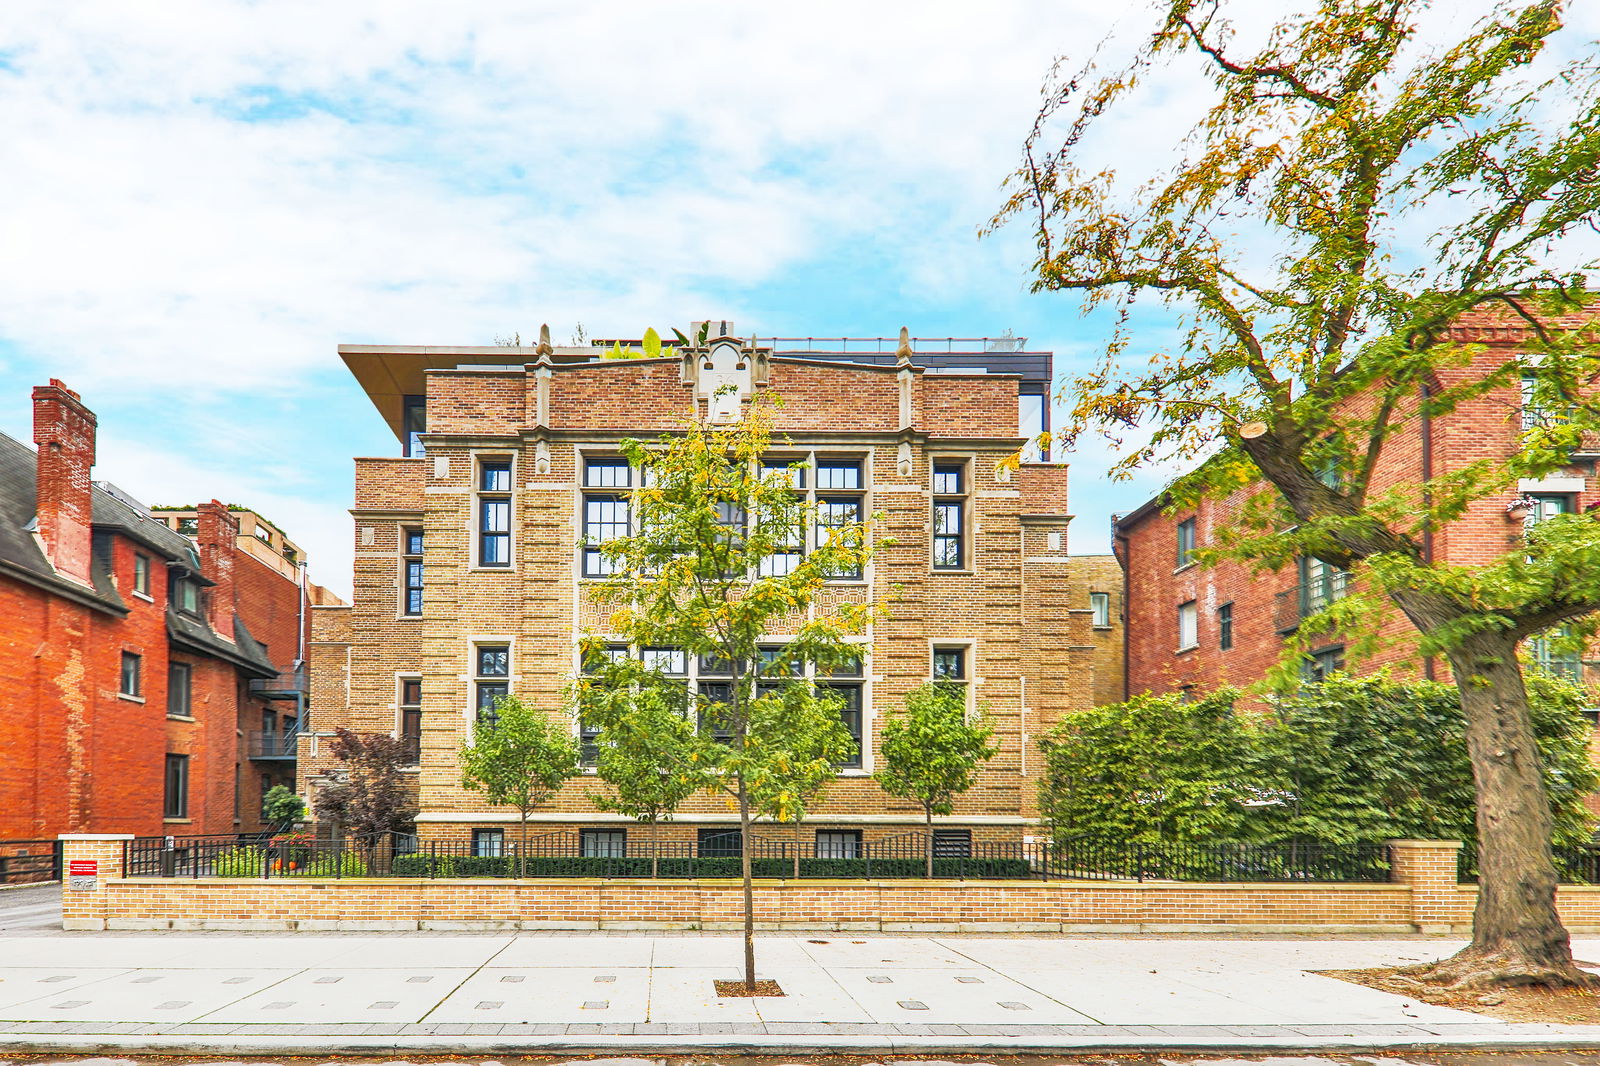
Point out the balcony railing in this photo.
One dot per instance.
(1302, 601)
(277, 744)
(289, 685)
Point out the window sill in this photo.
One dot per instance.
(950, 570)
(408, 618)
(1185, 566)
(145, 596)
(177, 821)
(180, 718)
(1186, 649)
(491, 569)
(130, 699)
(1104, 629)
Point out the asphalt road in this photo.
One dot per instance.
(30, 909)
(1525, 1058)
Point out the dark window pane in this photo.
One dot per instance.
(413, 542)
(411, 692)
(494, 477)
(131, 665)
(719, 843)
(836, 474)
(838, 844)
(672, 661)
(850, 715)
(494, 661)
(949, 664)
(490, 693)
(178, 689)
(604, 843)
(488, 843)
(177, 787)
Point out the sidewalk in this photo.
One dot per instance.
(375, 993)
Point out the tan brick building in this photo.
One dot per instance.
(472, 578)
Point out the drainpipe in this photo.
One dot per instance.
(1118, 536)
(300, 651)
(1424, 395)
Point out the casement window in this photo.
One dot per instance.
(1185, 543)
(1323, 663)
(185, 594)
(1188, 625)
(488, 843)
(1552, 657)
(1225, 626)
(950, 671)
(177, 787)
(603, 843)
(411, 571)
(588, 732)
(607, 510)
(1032, 420)
(838, 844)
(719, 843)
(952, 843)
(494, 512)
(847, 682)
(950, 489)
(839, 504)
(131, 682)
(713, 696)
(411, 717)
(141, 574)
(180, 690)
(414, 423)
(792, 546)
(491, 680)
(1100, 609)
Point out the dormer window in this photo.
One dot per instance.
(186, 595)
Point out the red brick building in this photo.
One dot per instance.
(128, 652)
(1194, 627)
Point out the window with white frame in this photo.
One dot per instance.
(411, 571)
(607, 510)
(494, 512)
(1188, 625)
(603, 843)
(950, 548)
(1100, 609)
(488, 843)
(1186, 542)
(950, 670)
(491, 680)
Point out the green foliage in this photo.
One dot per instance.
(1156, 768)
(370, 793)
(1346, 760)
(646, 750)
(521, 759)
(281, 806)
(242, 861)
(931, 752)
(348, 863)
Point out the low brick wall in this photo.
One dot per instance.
(1422, 902)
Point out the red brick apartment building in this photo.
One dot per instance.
(474, 556)
(138, 661)
(1193, 627)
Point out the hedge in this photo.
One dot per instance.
(447, 866)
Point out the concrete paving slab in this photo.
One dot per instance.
(686, 994)
(811, 995)
(302, 998)
(1305, 997)
(703, 951)
(19, 985)
(563, 952)
(546, 995)
(186, 997)
(442, 952)
(950, 1001)
(882, 953)
(111, 953)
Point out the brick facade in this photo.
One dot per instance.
(1265, 606)
(102, 612)
(1029, 653)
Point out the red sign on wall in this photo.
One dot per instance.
(83, 868)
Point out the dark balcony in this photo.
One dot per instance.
(1302, 601)
(275, 746)
(291, 685)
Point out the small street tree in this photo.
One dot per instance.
(519, 759)
(718, 561)
(280, 807)
(368, 793)
(1348, 194)
(931, 752)
(647, 752)
(808, 742)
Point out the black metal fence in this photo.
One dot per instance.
(574, 854)
(29, 861)
(1578, 865)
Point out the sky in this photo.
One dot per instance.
(203, 199)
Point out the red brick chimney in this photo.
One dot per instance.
(63, 428)
(217, 545)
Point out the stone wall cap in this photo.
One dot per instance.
(95, 836)
(1403, 842)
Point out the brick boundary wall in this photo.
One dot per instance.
(1424, 897)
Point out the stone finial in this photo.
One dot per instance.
(903, 353)
(544, 351)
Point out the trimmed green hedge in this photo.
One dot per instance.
(444, 866)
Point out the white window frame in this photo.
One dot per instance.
(1189, 611)
(475, 520)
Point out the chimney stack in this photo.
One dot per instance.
(64, 428)
(217, 545)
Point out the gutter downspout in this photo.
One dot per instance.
(1117, 535)
(300, 652)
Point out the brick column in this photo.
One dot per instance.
(1429, 867)
(87, 907)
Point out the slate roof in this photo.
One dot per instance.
(21, 556)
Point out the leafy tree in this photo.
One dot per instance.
(519, 760)
(931, 753)
(807, 742)
(1316, 337)
(1156, 768)
(281, 807)
(646, 752)
(699, 576)
(369, 794)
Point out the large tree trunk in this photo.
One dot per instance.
(1517, 936)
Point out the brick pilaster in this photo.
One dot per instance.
(1429, 867)
(86, 908)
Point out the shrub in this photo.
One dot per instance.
(341, 864)
(241, 861)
